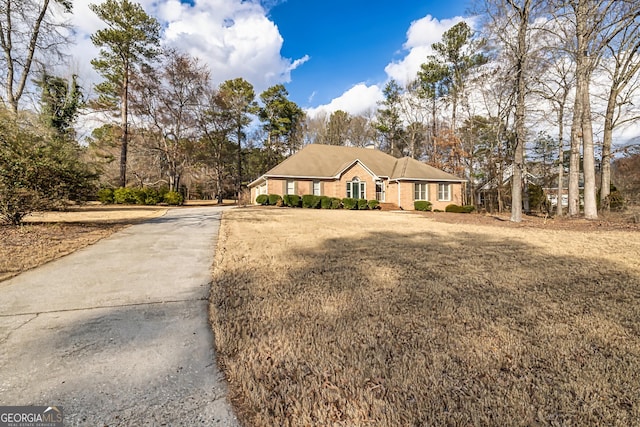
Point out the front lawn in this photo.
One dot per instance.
(396, 319)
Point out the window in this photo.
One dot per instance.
(380, 196)
(316, 188)
(262, 189)
(420, 191)
(356, 189)
(444, 192)
(291, 187)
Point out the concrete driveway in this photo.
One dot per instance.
(117, 333)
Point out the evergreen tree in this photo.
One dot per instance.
(131, 38)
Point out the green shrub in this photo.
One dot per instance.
(325, 202)
(262, 199)
(438, 210)
(274, 199)
(139, 195)
(150, 196)
(422, 205)
(173, 198)
(291, 200)
(374, 204)
(162, 191)
(124, 196)
(459, 209)
(362, 204)
(310, 201)
(336, 203)
(350, 203)
(105, 196)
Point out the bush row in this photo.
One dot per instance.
(139, 196)
(316, 202)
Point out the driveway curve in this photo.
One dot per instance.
(117, 333)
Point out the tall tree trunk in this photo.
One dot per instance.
(124, 123)
(588, 159)
(588, 152)
(576, 138)
(607, 139)
(559, 209)
(239, 136)
(521, 64)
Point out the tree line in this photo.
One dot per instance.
(513, 98)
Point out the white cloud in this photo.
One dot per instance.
(234, 37)
(420, 36)
(357, 100)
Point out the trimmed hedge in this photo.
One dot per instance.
(291, 200)
(350, 203)
(325, 202)
(422, 205)
(262, 199)
(459, 209)
(310, 201)
(274, 199)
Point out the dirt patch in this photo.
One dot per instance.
(378, 318)
(50, 235)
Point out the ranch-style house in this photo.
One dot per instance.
(361, 173)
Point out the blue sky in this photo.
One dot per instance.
(348, 41)
(329, 54)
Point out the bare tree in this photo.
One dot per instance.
(623, 52)
(167, 99)
(595, 24)
(511, 25)
(28, 29)
(555, 82)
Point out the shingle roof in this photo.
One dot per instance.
(329, 161)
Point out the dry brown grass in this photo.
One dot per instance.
(51, 235)
(374, 318)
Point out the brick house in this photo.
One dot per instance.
(366, 173)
